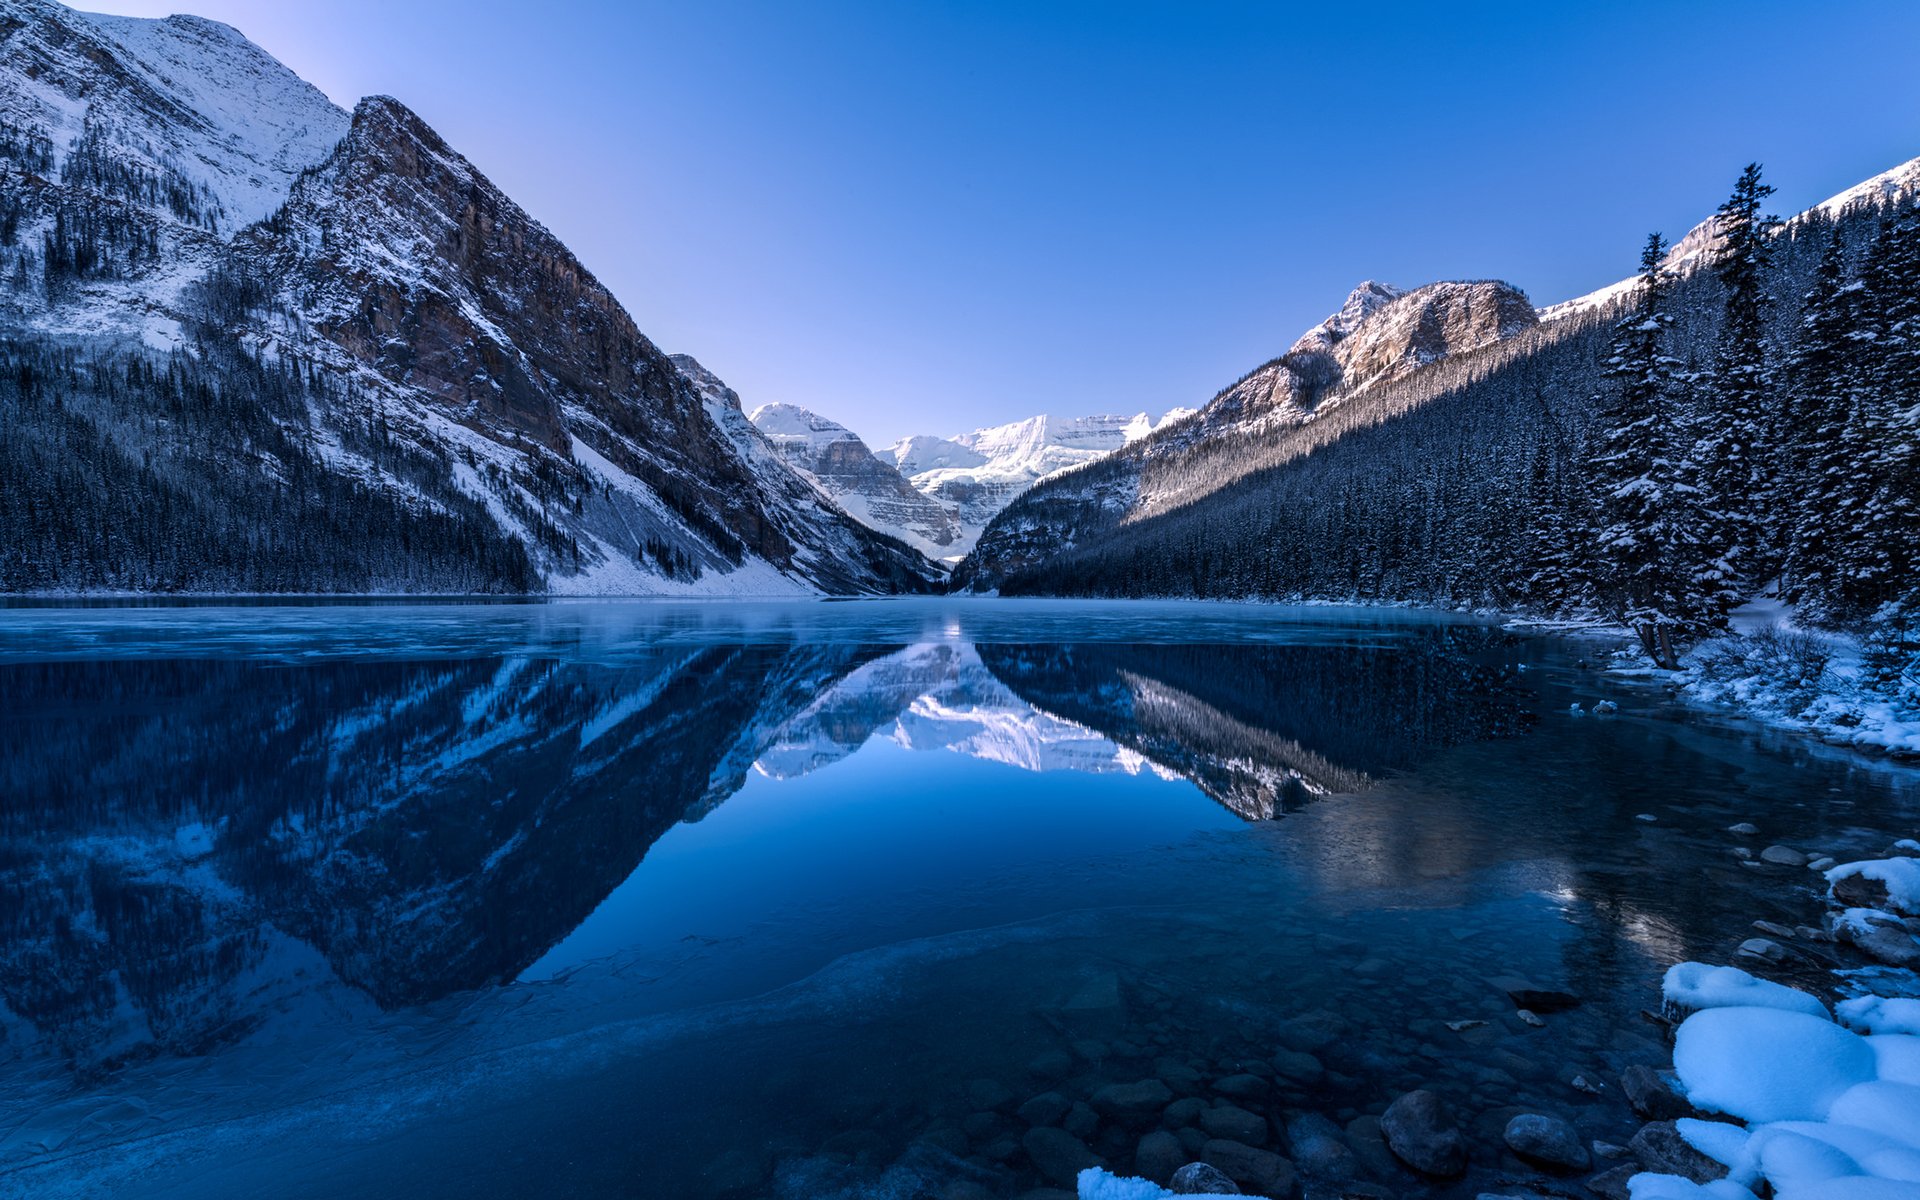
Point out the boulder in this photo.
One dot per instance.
(1783, 856)
(1422, 1134)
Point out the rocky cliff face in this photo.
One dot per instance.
(448, 354)
(872, 491)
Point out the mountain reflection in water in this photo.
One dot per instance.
(191, 843)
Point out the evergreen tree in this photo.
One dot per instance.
(1735, 404)
(1882, 543)
(1822, 462)
(1645, 569)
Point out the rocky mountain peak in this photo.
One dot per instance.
(1428, 324)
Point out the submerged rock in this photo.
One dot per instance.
(1263, 1171)
(1422, 1134)
(1200, 1179)
(1547, 1142)
(1318, 1149)
(1058, 1155)
(1158, 1156)
(1235, 1124)
(1137, 1105)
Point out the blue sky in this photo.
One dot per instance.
(928, 216)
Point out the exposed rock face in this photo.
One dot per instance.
(452, 355)
(872, 491)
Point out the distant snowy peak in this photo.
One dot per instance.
(786, 424)
(925, 452)
(188, 103)
(977, 474)
(869, 488)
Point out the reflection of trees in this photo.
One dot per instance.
(1262, 728)
(425, 827)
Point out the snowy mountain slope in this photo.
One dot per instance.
(1691, 252)
(185, 100)
(871, 490)
(441, 360)
(1380, 336)
(979, 473)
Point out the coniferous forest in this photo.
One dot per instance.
(1744, 428)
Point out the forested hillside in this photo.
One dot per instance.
(1654, 458)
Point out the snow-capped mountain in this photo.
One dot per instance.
(460, 403)
(869, 489)
(977, 474)
(1380, 335)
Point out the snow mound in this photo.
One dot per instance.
(1832, 1114)
(1675, 1187)
(1767, 1064)
(1697, 986)
(1901, 876)
(1096, 1184)
(1878, 1014)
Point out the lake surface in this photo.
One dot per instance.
(632, 899)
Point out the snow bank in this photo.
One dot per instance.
(1832, 1114)
(1696, 986)
(1812, 681)
(1096, 1184)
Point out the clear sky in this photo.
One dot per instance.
(924, 216)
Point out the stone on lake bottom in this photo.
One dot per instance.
(1547, 1142)
(1421, 1133)
(1199, 1179)
(1058, 1155)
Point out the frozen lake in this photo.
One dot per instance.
(839, 899)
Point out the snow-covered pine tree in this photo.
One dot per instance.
(1646, 569)
(1736, 402)
(1882, 551)
(1825, 470)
